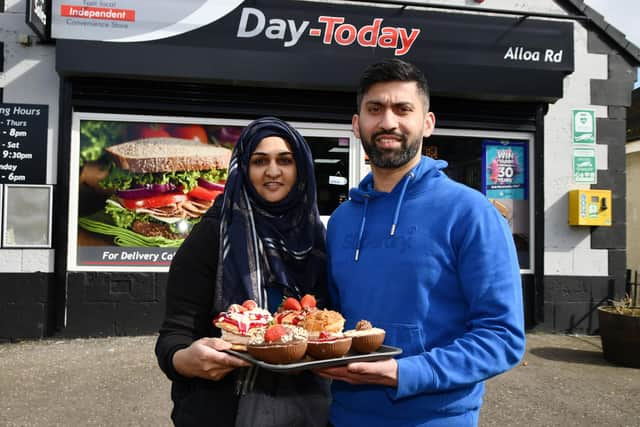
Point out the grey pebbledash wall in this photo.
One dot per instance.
(570, 301)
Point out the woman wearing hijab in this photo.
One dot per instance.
(262, 240)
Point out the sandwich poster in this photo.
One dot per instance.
(505, 174)
(142, 186)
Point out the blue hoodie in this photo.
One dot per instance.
(434, 264)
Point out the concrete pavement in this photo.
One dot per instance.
(562, 381)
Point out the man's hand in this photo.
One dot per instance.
(204, 358)
(383, 372)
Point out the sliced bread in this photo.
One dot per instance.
(167, 155)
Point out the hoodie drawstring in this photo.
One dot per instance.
(407, 178)
(364, 220)
(396, 214)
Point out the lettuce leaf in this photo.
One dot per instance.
(101, 223)
(119, 179)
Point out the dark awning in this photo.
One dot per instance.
(288, 44)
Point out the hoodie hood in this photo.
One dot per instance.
(427, 167)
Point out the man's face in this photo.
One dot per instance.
(392, 122)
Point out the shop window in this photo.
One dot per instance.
(122, 218)
(331, 164)
(27, 211)
(498, 165)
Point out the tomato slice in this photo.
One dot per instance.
(164, 199)
(152, 131)
(195, 132)
(202, 193)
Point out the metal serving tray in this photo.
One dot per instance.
(384, 352)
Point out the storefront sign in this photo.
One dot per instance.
(584, 166)
(286, 43)
(286, 24)
(23, 143)
(38, 18)
(134, 20)
(505, 169)
(583, 129)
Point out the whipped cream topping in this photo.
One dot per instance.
(325, 336)
(243, 321)
(363, 332)
(294, 333)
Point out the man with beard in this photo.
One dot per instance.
(429, 260)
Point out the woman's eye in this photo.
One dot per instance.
(285, 161)
(258, 161)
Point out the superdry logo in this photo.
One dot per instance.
(253, 22)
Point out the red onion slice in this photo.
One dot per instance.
(210, 185)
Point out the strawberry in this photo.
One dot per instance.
(308, 301)
(274, 333)
(249, 304)
(291, 303)
(236, 308)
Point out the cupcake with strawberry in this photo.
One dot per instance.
(326, 340)
(240, 322)
(278, 344)
(293, 311)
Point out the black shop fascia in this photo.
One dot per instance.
(306, 46)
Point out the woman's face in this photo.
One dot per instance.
(272, 169)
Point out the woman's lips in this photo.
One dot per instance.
(273, 185)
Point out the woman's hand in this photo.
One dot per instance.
(204, 359)
(384, 372)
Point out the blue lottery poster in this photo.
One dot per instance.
(504, 163)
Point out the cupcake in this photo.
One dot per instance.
(328, 345)
(328, 321)
(278, 344)
(326, 339)
(289, 317)
(293, 312)
(365, 338)
(240, 322)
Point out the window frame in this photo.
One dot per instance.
(529, 139)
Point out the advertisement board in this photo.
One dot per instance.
(139, 184)
(505, 169)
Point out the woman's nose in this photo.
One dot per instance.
(273, 169)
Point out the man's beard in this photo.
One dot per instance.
(390, 158)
